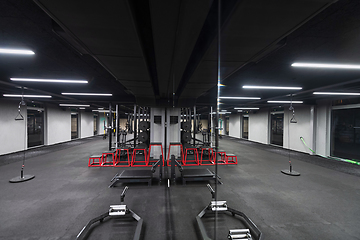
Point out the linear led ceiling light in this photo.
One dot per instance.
(221, 113)
(247, 108)
(239, 97)
(73, 105)
(337, 93)
(271, 87)
(48, 80)
(101, 111)
(27, 96)
(88, 94)
(16, 51)
(285, 101)
(326, 65)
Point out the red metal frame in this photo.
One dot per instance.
(118, 162)
(182, 152)
(191, 162)
(232, 161)
(145, 161)
(223, 158)
(104, 162)
(209, 161)
(162, 152)
(93, 163)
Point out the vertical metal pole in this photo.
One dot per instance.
(166, 123)
(211, 127)
(217, 109)
(135, 125)
(194, 134)
(109, 126)
(117, 127)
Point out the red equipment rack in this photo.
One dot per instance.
(173, 144)
(118, 162)
(93, 163)
(105, 162)
(162, 152)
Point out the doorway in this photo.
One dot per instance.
(245, 128)
(277, 129)
(74, 126)
(35, 127)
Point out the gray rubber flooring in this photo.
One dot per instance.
(322, 203)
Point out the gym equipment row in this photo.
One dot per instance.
(207, 156)
(249, 231)
(125, 157)
(121, 157)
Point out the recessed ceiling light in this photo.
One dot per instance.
(73, 105)
(48, 80)
(336, 93)
(16, 51)
(239, 97)
(88, 94)
(101, 111)
(27, 96)
(247, 108)
(221, 112)
(326, 65)
(271, 87)
(285, 101)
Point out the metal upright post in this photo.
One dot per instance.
(117, 127)
(217, 109)
(135, 125)
(194, 134)
(109, 126)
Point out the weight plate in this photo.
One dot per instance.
(185, 136)
(143, 136)
(186, 126)
(143, 125)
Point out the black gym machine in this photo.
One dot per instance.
(250, 230)
(141, 175)
(115, 211)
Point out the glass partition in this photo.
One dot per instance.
(245, 127)
(345, 133)
(35, 127)
(277, 129)
(74, 125)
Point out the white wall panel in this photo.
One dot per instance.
(234, 125)
(157, 131)
(303, 128)
(322, 140)
(259, 126)
(86, 124)
(58, 125)
(12, 133)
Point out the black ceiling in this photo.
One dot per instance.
(156, 53)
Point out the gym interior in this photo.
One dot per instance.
(179, 119)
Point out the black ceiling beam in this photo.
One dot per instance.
(205, 39)
(141, 14)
